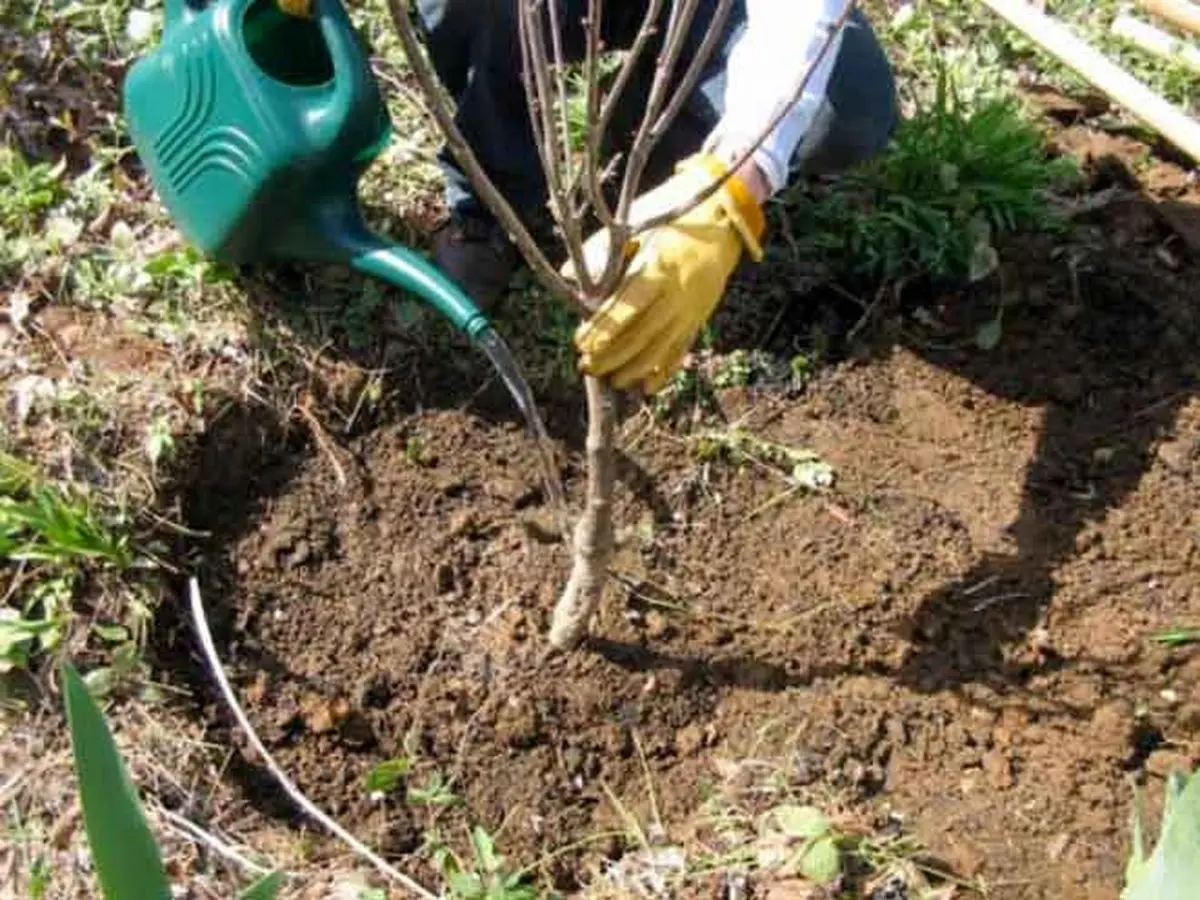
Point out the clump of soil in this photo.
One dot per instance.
(955, 634)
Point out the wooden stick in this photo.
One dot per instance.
(1164, 117)
(1181, 13)
(1155, 41)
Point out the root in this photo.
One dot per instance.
(594, 531)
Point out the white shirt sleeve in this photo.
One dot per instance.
(764, 70)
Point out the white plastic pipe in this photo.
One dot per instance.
(1161, 115)
(1156, 41)
(1180, 13)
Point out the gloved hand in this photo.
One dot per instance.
(675, 280)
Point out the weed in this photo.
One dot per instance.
(800, 468)
(485, 878)
(50, 537)
(958, 172)
(386, 777)
(27, 191)
(1178, 637)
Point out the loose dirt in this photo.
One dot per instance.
(956, 635)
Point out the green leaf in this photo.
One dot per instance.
(465, 884)
(266, 888)
(485, 849)
(806, 822)
(386, 777)
(114, 634)
(101, 681)
(1173, 869)
(124, 852)
(821, 863)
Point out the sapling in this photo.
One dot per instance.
(587, 182)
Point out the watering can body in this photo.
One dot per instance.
(255, 127)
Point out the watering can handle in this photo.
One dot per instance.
(179, 12)
(351, 72)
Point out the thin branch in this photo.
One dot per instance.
(439, 107)
(551, 105)
(678, 23)
(636, 49)
(560, 76)
(591, 78)
(691, 77)
(649, 137)
(192, 831)
(293, 792)
(749, 152)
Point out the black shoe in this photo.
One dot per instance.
(478, 256)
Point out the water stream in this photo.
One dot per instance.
(501, 358)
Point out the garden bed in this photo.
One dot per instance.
(954, 639)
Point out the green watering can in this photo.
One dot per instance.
(255, 127)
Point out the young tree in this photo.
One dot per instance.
(586, 182)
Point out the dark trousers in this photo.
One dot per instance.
(475, 48)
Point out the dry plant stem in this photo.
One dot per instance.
(594, 531)
(439, 107)
(678, 23)
(547, 102)
(294, 793)
(591, 78)
(749, 151)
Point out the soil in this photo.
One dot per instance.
(956, 635)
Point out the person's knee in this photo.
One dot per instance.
(861, 110)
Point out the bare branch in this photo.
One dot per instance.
(678, 23)
(691, 78)
(551, 102)
(592, 175)
(439, 107)
(749, 152)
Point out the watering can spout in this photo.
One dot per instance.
(397, 265)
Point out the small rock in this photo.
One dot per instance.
(322, 716)
(1112, 727)
(1177, 455)
(257, 691)
(690, 740)
(997, 766)
(1057, 847)
(510, 490)
(300, 554)
(659, 627)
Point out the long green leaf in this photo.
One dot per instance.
(1173, 870)
(266, 888)
(124, 852)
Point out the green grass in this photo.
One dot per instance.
(964, 168)
(53, 540)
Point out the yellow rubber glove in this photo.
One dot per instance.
(675, 280)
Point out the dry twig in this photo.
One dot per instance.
(294, 793)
